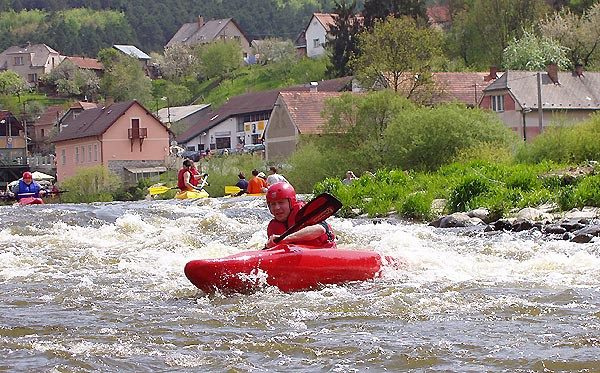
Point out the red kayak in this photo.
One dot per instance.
(287, 267)
(31, 201)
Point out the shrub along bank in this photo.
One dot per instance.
(500, 188)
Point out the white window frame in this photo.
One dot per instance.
(497, 103)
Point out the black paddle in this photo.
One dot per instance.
(316, 211)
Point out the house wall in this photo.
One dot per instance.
(315, 30)
(114, 148)
(281, 134)
(26, 69)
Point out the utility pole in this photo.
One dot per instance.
(539, 92)
(25, 131)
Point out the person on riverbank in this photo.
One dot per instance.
(274, 177)
(283, 205)
(257, 184)
(350, 177)
(27, 188)
(185, 177)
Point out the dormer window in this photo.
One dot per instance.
(19, 61)
(497, 103)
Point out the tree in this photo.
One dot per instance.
(531, 52)
(179, 61)
(342, 38)
(580, 34)
(482, 29)
(124, 79)
(11, 83)
(397, 54)
(69, 80)
(356, 127)
(380, 9)
(220, 58)
(273, 50)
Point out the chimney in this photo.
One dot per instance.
(200, 21)
(552, 71)
(579, 70)
(493, 74)
(108, 101)
(314, 86)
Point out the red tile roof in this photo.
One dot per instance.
(305, 109)
(86, 63)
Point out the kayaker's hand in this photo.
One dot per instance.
(270, 243)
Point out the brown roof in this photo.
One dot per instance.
(326, 19)
(439, 14)
(86, 63)
(256, 102)
(305, 109)
(50, 116)
(95, 122)
(193, 33)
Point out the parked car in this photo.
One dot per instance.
(191, 154)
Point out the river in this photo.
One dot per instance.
(100, 287)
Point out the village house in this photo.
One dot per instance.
(204, 32)
(125, 137)
(180, 118)
(315, 33)
(13, 155)
(30, 61)
(564, 98)
(72, 113)
(135, 52)
(241, 120)
(294, 114)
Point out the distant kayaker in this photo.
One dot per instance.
(281, 200)
(27, 188)
(274, 177)
(242, 183)
(185, 177)
(257, 184)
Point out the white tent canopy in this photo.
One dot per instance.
(38, 176)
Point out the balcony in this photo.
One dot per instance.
(138, 133)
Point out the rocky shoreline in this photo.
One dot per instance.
(577, 225)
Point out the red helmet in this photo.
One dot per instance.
(281, 190)
(27, 175)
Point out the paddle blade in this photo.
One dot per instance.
(316, 211)
(232, 189)
(159, 189)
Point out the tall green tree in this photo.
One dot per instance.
(397, 54)
(482, 29)
(342, 38)
(220, 58)
(124, 78)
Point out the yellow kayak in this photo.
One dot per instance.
(192, 194)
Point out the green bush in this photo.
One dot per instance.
(587, 192)
(90, 184)
(462, 195)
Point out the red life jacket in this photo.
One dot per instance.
(180, 182)
(326, 240)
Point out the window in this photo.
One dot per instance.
(240, 124)
(42, 132)
(63, 157)
(95, 152)
(82, 154)
(223, 142)
(76, 154)
(32, 78)
(19, 61)
(89, 153)
(498, 103)
(316, 43)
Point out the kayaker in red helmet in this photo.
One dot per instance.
(281, 200)
(27, 187)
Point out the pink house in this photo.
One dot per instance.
(125, 137)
